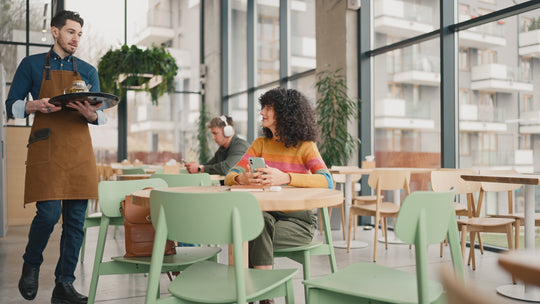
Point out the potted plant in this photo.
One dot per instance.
(151, 70)
(334, 110)
(203, 135)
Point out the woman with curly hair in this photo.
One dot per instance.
(292, 158)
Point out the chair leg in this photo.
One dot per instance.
(355, 219)
(463, 240)
(517, 225)
(509, 230)
(471, 250)
(385, 229)
(320, 221)
(342, 211)
(480, 244)
(375, 237)
(83, 245)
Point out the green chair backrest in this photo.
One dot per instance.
(133, 170)
(112, 193)
(208, 218)
(204, 218)
(185, 180)
(426, 218)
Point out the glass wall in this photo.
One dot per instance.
(402, 19)
(266, 45)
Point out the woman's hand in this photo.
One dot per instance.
(271, 177)
(247, 178)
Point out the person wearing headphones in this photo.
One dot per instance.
(231, 148)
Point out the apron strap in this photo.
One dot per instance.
(48, 66)
(75, 72)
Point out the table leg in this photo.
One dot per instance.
(348, 202)
(524, 291)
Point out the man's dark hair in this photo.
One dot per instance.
(295, 117)
(60, 18)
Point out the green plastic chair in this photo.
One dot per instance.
(92, 220)
(133, 170)
(302, 254)
(212, 218)
(111, 194)
(185, 180)
(425, 218)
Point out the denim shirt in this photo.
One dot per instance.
(29, 76)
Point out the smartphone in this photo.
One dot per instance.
(256, 162)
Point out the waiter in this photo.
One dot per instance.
(60, 166)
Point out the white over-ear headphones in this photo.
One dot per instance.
(228, 131)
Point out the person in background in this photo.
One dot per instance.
(231, 148)
(60, 166)
(292, 158)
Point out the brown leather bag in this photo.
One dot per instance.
(139, 232)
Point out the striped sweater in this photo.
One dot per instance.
(303, 163)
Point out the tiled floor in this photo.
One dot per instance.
(124, 289)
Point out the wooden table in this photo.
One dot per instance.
(349, 172)
(522, 292)
(123, 177)
(288, 199)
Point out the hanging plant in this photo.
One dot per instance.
(152, 70)
(334, 110)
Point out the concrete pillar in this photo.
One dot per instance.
(212, 55)
(337, 47)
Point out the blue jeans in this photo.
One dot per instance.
(47, 215)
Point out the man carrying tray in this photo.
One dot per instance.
(60, 166)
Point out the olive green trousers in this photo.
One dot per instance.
(281, 230)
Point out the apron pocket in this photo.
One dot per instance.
(39, 148)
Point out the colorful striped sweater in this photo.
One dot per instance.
(303, 163)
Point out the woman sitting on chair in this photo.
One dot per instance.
(292, 158)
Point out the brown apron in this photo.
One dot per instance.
(60, 162)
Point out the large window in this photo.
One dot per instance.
(283, 54)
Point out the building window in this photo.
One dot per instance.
(465, 96)
(465, 144)
(464, 63)
(395, 90)
(268, 60)
(487, 56)
(527, 103)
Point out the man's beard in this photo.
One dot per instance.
(61, 44)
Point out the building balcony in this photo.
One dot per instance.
(529, 43)
(486, 36)
(529, 122)
(495, 77)
(468, 112)
(420, 70)
(400, 114)
(401, 19)
(523, 157)
(159, 29)
(478, 118)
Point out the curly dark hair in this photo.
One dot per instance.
(295, 117)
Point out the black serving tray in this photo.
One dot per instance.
(108, 100)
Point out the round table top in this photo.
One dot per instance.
(132, 176)
(288, 199)
(366, 171)
(518, 178)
